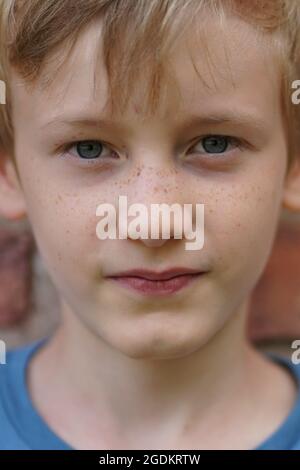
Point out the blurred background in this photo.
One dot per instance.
(29, 307)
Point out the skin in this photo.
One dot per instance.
(182, 364)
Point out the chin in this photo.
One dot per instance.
(147, 346)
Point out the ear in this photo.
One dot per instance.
(12, 202)
(291, 195)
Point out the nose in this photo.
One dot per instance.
(155, 226)
(161, 193)
(153, 243)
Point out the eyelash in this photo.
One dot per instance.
(238, 144)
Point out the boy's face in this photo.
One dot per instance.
(154, 161)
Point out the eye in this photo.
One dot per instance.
(217, 144)
(90, 151)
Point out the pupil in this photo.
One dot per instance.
(215, 144)
(89, 149)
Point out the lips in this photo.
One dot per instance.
(156, 283)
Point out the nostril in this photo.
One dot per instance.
(153, 242)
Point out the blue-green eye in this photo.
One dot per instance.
(89, 149)
(215, 143)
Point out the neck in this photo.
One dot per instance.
(150, 388)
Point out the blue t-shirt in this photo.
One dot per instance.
(22, 428)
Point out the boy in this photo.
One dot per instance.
(199, 112)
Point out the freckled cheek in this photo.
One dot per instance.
(63, 227)
(241, 233)
(77, 225)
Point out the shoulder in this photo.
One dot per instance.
(13, 360)
(287, 436)
(12, 394)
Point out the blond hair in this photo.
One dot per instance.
(135, 34)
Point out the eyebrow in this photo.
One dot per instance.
(81, 122)
(237, 118)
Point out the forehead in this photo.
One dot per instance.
(210, 67)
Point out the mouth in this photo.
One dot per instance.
(158, 284)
